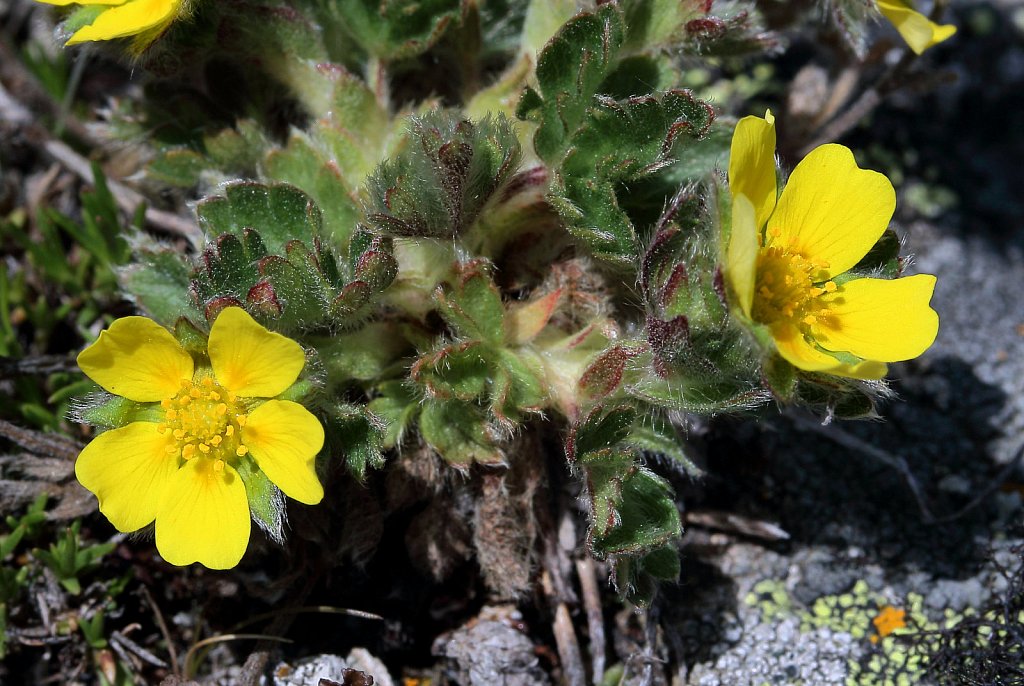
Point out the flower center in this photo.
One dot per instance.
(789, 289)
(206, 421)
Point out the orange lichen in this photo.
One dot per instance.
(888, 620)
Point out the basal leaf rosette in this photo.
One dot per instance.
(141, 20)
(917, 30)
(178, 463)
(790, 258)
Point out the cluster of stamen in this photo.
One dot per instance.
(789, 289)
(205, 421)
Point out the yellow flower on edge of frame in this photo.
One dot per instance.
(145, 20)
(917, 30)
(180, 471)
(788, 255)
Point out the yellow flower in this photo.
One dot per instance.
(178, 468)
(789, 257)
(919, 31)
(145, 20)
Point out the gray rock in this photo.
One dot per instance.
(489, 652)
(309, 671)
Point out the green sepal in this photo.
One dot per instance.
(460, 433)
(883, 260)
(781, 377)
(266, 502)
(299, 392)
(113, 411)
(82, 16)
(191, 337)
(839, 397)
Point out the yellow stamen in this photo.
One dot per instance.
(202, 424)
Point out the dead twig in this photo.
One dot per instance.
(46, 444)
(127, 199)
(172, 653)
(595, 617)
(851, 442)
(573, 673)
(36, 365)
(737, 524)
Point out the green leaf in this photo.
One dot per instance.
(158, 280)
(473, 305)
(462, 371)
(298, 285)
(543, 19)
(569, 71)
(279, 213)
(656, 23)
(647, 517)
(179, 167)
(459, 432)
(605, 471)
(618, 143)
(303, 166)
(366, 354)
(655, 435)
(639, 75)
(357, 435)
(396, 29)
(397, 405)
(602, 429)
(443, 180)
(518, 386)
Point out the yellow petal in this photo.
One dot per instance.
(866, 369)
(832, 211)
(138, 359)
(248, 359)
(284, 438)
(917, 30)
(128, 469)
(799, 352)
(752, 164)
(204, 516)
(741, 257)
(64, 3)
(129, 19)
(879, 319)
